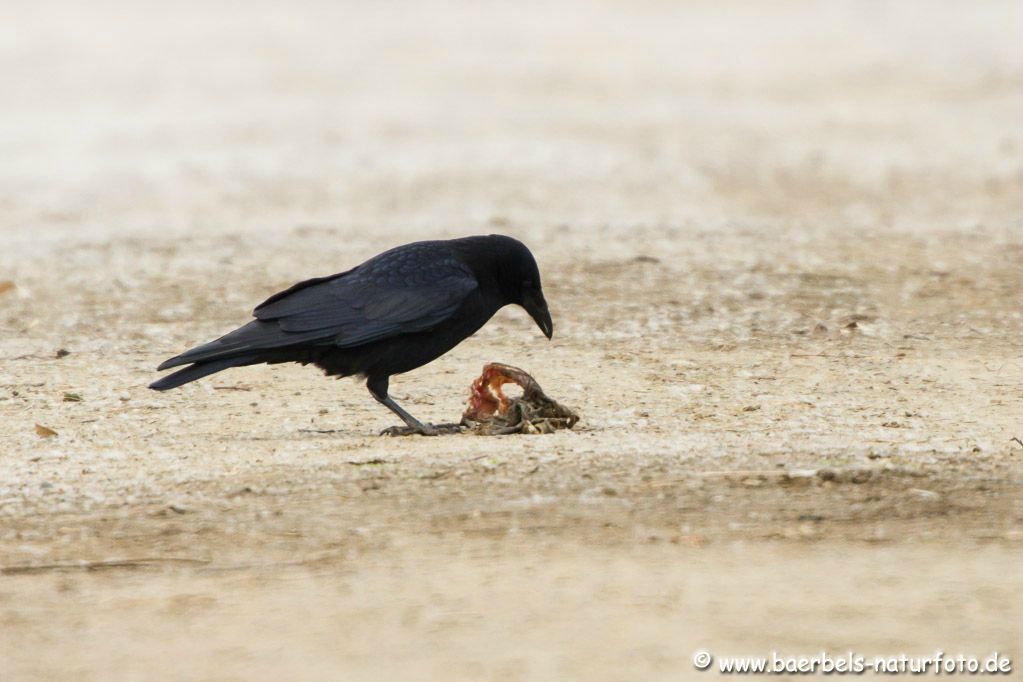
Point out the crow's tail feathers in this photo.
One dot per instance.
(199, 370)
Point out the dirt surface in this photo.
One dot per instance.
(782, 244)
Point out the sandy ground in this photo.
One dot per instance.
(782, 244)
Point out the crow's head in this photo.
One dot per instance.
(531, 298)
(519, 280)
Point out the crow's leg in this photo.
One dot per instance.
(378, 388)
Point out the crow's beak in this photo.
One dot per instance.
(537, 309)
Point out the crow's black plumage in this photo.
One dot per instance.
(395, 312)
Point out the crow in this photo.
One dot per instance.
(397, 311)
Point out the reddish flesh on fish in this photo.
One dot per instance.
(487, 398)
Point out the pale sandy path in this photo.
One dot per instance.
(782, 244)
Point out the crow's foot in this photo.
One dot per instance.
(422, 430)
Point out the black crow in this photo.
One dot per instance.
(395, 312)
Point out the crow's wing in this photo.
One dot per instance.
(412, 288)
(409, 289)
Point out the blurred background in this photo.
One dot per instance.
(142, 117)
